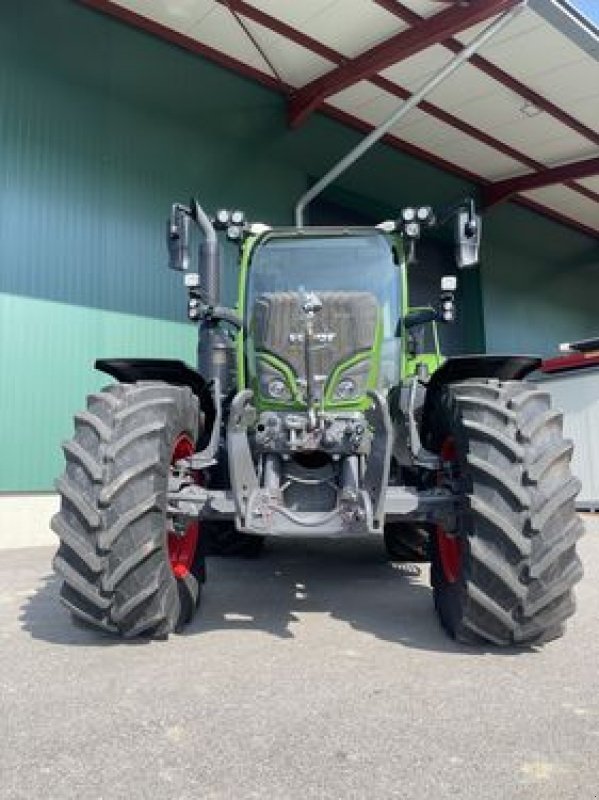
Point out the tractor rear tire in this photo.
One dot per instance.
(223, 540)
(407, 541)
(505, 574)
(123, 568)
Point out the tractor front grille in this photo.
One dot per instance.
(345, 327)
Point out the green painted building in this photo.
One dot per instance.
(102, 127)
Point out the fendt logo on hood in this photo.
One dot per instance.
(326, 337)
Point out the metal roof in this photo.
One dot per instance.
(520, 119)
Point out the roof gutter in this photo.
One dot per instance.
(571, 22)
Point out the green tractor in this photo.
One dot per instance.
(321, 406)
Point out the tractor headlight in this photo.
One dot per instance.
(448, 310)
(222, 217)
(408, 214)
(346, 389)
(277, 389)
(234, 233)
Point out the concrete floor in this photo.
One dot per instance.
(317, 672)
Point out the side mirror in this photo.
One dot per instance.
(177, 240)
(467, 239)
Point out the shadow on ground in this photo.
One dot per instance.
(351, 581)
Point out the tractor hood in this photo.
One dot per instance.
(320, 314)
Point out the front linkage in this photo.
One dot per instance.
(364, 503)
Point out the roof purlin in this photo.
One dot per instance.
(193, 45)
(421, 35)
(277, 26)
(287, 31)
(501, 190)
(498, 74)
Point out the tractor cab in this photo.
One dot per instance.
(321, 308)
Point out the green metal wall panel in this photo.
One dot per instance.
(101, 127)
(47, 350)
(94, 145)
(540, 282)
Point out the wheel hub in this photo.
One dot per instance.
(182, 540)
(450, 553)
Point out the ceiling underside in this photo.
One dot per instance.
(526, 105)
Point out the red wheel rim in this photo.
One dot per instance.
(450, 554)
(182, 547)
(450, 548)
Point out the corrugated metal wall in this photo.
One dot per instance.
(540, 281)
(47, 353)
(101, 127)
(92, 151)
(577, 395)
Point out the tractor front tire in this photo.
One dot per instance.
(123, 567)
(505, 574)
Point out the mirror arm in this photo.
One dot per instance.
(447, 213)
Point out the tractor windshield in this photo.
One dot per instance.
(360, 263)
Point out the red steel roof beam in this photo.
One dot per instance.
(498, 74)
(420, 36)
(496, 192)
(160, 31)
(314, 46)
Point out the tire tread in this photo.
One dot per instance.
(113, 555)
(521, 527)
